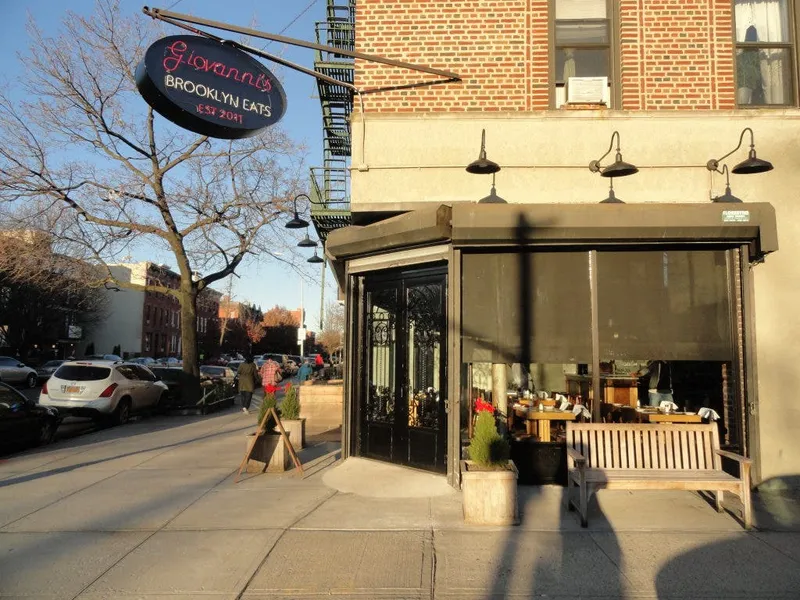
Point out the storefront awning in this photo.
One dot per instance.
(602, 224)
(508, 225)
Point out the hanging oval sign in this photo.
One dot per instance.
(209, 88)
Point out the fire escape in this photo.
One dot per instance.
(330, 183)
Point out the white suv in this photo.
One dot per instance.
(102, 389)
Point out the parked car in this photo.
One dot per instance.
(147, 361)
(169, 361)
(217, 373)
(22, 422)
(172, 377)
(234, 365)
(12, 370)
(114, 357)
(102, 389)
(47, 369)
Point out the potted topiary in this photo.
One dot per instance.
(290, 418)
(489, 478)
(269, 451)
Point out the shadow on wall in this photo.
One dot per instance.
(777, 504)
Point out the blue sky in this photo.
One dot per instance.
(265, 284)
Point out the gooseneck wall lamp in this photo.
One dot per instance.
(297, 222)
(727, 196)
(619, 168)
(492, 198)
(612, 199)
(752, 164)
(483, 166)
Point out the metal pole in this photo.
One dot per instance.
(322, 294)
(158, 13)
(302, 322)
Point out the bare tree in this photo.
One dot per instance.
(332, 337)
(78, 142)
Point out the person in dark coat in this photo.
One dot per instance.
(247, 373)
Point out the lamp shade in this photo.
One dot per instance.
(727, 197)
(306, 242)
(619, 168)
(315, 259)
(612, 199)
(482, 165)
(752, 164)
(492, 198)
(296, 222)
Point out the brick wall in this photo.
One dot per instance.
(674, 54)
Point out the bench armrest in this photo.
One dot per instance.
(737, 457)
(580, 459)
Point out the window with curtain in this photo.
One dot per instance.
(582, 44)
(764, 53)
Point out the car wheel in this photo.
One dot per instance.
(123, 412)
(32, 380)
(47, 432)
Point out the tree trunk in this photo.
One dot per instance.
(190, 389)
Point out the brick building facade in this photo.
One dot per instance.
(675, 99)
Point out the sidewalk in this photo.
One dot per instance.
(151, 511)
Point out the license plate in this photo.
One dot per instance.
(72, 389)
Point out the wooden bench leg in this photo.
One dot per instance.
(719, 495)
(747, 506)
(570, 503)
(584, 493)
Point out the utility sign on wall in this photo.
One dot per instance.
(210, 88)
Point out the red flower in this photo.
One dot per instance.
(482, 406)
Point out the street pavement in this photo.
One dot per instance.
(152, 510)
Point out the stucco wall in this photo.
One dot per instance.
(405, 160)
(125, 312)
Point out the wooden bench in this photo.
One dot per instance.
(632, 456)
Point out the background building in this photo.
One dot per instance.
(149, 323)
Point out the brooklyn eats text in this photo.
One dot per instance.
(209, 93)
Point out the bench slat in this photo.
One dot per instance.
(631, 450)
(666, 474)
(685, 455)
(618, 447)
(670, 451)
(639, 444)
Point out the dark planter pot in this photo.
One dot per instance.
(540, 462)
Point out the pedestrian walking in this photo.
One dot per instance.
(248, 374)
(270, 376)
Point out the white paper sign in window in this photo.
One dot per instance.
(587, 89)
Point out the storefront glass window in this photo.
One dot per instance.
(664, 320)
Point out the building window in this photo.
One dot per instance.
(148, 341)
(147, 315)
(582, 35)
(764, 53)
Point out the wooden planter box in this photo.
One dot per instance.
(296, 428)
(269, 450)
(489, 497)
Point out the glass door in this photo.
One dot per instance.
(401, 414)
